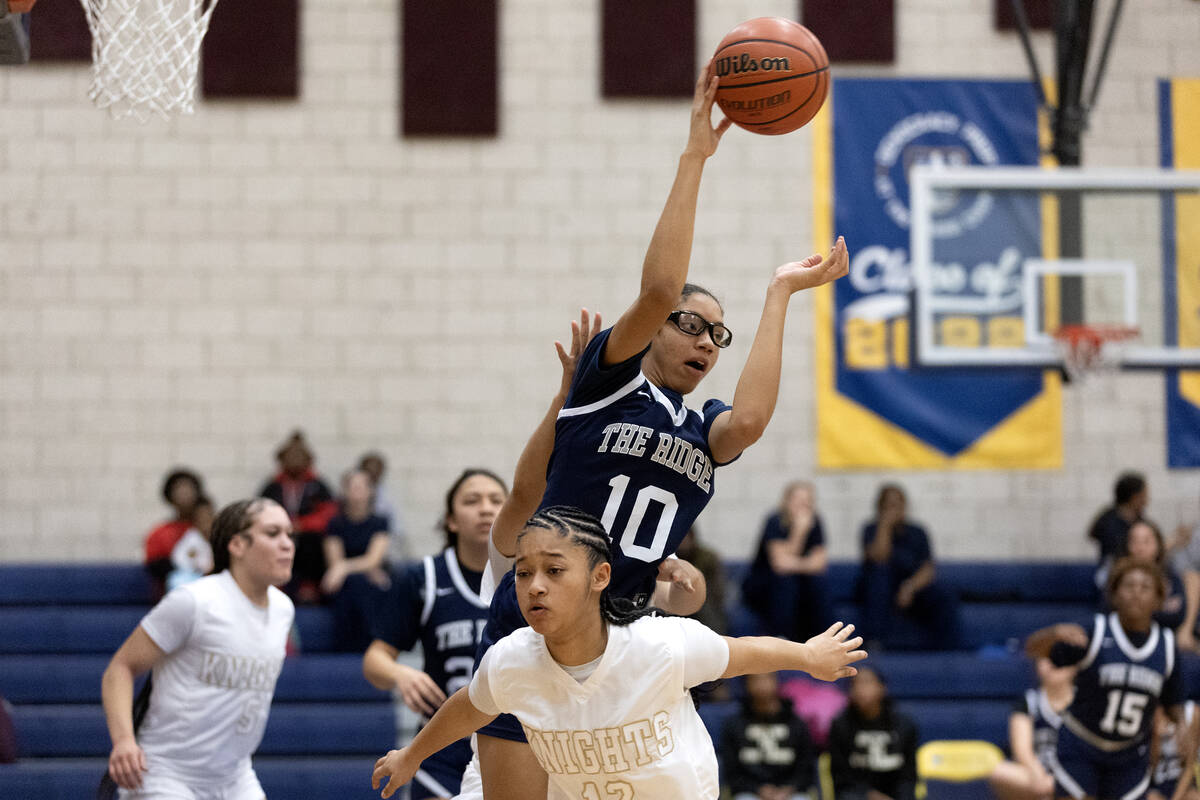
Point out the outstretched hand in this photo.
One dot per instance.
(581, 333)
(831, 653)
(704, 136)
(395, 770)
(814, 270)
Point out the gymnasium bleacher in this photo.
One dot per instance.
(59, 624)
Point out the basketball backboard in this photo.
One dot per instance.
(982, 299)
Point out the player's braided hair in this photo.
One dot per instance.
(586, 531)
(234, 520)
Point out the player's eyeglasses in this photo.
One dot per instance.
(693, 324)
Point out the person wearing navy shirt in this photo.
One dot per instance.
(436, 602)
(899, 575)
(356, 546)
(627, 449)
(1127, 668)
(786, 584)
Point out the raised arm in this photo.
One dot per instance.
(137, 655)
(826, 656)
(665, 268)
(454, 720)
(529, 479)
(758, 387)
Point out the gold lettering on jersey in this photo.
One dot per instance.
(230, 671)
(603, 750)
(612, 757)
(583, 748)
(641, 736)
(678, 455)
(1133, 676)
(662, 732)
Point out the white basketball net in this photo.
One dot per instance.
(145, 55)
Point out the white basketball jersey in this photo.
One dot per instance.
(630, 730)
(212, 692)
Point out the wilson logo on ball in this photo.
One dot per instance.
(744, 62)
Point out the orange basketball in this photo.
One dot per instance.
(774, 75)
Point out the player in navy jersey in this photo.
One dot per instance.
(1033, 736)
(1169, 762)
(1127, 668)
(625, 447)
(436, 602)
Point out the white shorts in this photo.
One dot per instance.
(164, 787)
(472, 784)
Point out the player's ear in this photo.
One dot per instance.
(238, 545)
(601, 575)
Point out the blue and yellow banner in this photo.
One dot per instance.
(1179, 124)
(875, 408)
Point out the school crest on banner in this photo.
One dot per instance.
(875, 407)
(1179, 121)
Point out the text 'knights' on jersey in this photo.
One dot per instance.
(1120, 683)
(634, 455)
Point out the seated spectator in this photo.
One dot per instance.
(1111, 526)
(1186, 562)
(1144, 542)
(786, 584)
(1033, 736)
(765, 750)
(182, 489)
(899, 575)
(872, 747)
(705, 559)
(310, 505)
(375, 466)
(191, 558)
(356, 569)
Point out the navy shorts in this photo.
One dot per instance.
(504, 617)
(441, 774)
(1082, 770)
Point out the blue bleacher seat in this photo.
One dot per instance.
(74, 584)
(308, 778)
(72, 731)
(323, 677)
(102, 628)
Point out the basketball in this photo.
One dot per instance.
(774, 75)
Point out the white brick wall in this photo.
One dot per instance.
(190, 291)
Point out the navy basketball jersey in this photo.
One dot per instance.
(1046, 722)
(433, 602)
(1119, 686)
(633, 455)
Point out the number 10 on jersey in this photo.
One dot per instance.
(667, 506)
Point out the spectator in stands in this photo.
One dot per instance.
(1033, 735)
(1144, 542)
(765, 749)
(1186, 561)
(182, 489)
(216, 647)
(310, 505)
(705, 559)
(191, 558)
(356, 548)
(1111, 526)
(899, 574)
(436, 603)
(786, 584)
(374, 464)
(872, 747)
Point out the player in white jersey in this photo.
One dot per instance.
(612, 716)
(216, 647)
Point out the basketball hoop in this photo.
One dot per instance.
(1091, 348)
(145, 55)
